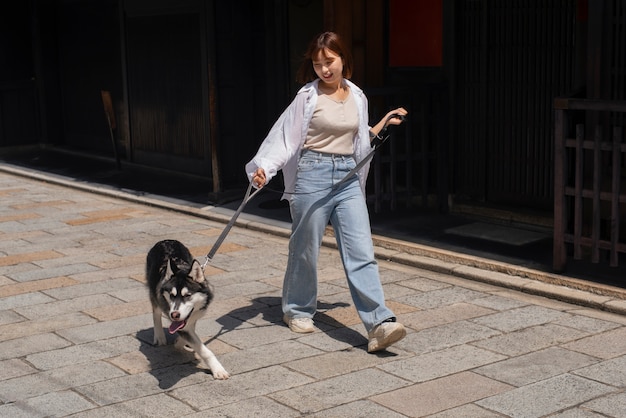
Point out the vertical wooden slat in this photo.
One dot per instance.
(578, 191)
(558, 249)
(597, 184)
(615, 221)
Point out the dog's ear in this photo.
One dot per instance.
(196, 272)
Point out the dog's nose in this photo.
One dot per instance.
(175, 315)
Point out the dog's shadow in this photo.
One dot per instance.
(167, 363)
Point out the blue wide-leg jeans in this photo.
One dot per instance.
(313, 205)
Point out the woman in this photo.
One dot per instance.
(317, 140)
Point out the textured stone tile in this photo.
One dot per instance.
(612, 372)
(346, 388)
(256, 407)
(68, 306)
(121, 389)
(13, 259)
(14, 368)
(444, 336)
(545, 397)
(148, 406)
(109, 329)
(119, 311)
(441, 297)
(530, 339)
(605, 345)
(533, 367)
(30, 344)
(55, 357)
(337, 363)
(466, 411)
(446, 314)
(516, 319)
(35, 286)
(609, 404)
(441, 394)
(441, 363)
(43, 325)
(53, 404)
(240, 387)
(282, 352)
(358, 409)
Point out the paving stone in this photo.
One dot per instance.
(53, 404)
(536, 366)
(255, 407)
(121, 389)
(516, 319)
(67, 306)
(43, 325)
(444, 336)
(94, 288)
(441, 363)
(441, 297)
(612, 372)
(79, 354)
(22, 300)
(10, 317)
(587, 324)
(148, 406)
(47, 273)
(441, 394)
(109, 329)
(346, 388)
(35, 286)
(545, 397)
(577, 413)
(530, 339)
(444, 315)
(358, 409)
(606, 345)
(14, 368)
(466, 411)
(609, 404)
(282, 352)
(240, 387)
(30, 344)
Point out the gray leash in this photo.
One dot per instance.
(378, 141)
(249, 195)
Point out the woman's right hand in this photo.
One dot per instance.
(259, 178)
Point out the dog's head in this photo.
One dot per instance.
(186, 290)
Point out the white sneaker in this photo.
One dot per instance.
(385, 334)
(300, 325)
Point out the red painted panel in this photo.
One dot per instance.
(415, 33)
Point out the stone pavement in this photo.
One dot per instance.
(76, 327)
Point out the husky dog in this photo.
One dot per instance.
(179, 290)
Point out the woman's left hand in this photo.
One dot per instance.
(393, 118)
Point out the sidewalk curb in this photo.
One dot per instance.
(558, 287)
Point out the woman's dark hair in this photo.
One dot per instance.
(322, 42)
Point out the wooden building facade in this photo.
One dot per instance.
(196, 84)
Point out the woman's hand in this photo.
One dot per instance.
(395, 120)
(389, 120)
(259, 178)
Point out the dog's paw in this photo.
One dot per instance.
(220, 373)
(159, 339)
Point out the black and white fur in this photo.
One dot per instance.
(179, 290)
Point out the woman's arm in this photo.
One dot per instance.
(388, 120)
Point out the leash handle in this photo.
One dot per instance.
(248, 196)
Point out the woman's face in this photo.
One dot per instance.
(328, 66)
